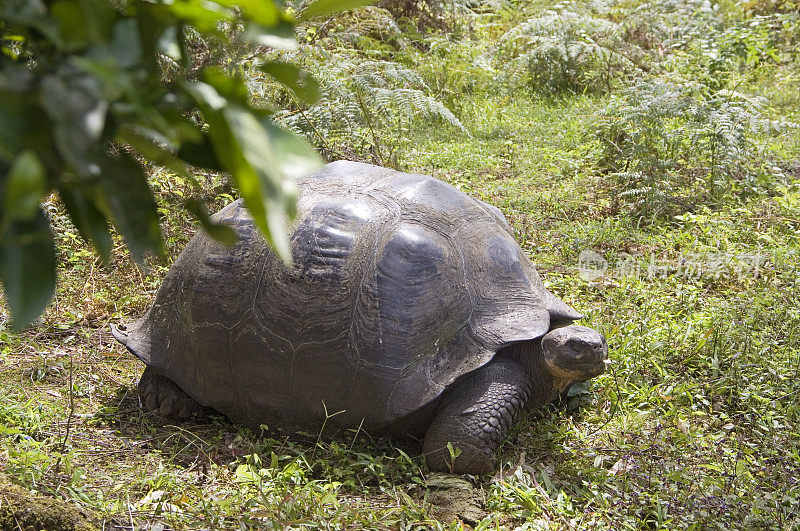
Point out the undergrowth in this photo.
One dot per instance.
(654, 138)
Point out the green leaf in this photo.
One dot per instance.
(13, 116)
(158, 33)
(328, 7)
(266, 189)
(30, 14)
(248, 150)
(203, 15)
(89, 220)
(219, 231)
(280, 36)
(27, 268)
(129, 203)
(200, 154)
(297, 158)
(24, 188)
(125, 46)
(24, 126)
(256, 174)
(71, 23)
(73, 101)
(231, 88)
(72, 17)
(263, 12)
(300, 82)
(138, 95)
(149, 144)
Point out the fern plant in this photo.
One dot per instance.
(694, 38)
(369, 102)
(360, 102)
(453, 67)
(442, 15)
(670, 143)
(566, 49)
(666, 25)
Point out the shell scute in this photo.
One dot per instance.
(418, 299)
(323, 241)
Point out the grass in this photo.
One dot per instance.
(697, 425)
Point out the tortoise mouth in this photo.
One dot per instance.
(581, 370)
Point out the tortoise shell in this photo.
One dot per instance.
(400, 284)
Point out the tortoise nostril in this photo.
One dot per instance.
(600, 353)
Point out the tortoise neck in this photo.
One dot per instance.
(528, 354)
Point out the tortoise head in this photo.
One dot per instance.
(575, 353)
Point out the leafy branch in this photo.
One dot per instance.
(85, 99)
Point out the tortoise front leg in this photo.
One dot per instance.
(475, 416)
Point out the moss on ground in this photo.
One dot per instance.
(22, 511)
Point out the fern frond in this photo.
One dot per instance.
(676, 139)
(565, 48)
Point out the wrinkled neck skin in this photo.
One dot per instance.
(546, 387)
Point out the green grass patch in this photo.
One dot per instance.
(696, 426)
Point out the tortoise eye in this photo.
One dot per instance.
(575, 344)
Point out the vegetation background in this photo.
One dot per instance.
(660, 136)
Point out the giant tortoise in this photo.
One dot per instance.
(409, 308)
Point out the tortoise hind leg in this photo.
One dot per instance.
(162, 395)
(475, 416)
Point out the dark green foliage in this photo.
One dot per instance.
(320, 8)
(28, 265)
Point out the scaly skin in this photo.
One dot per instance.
(162, 395)
(475, 416)
(476, 413)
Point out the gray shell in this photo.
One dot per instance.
(400, 284)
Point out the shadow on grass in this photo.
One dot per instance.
(350, 456)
